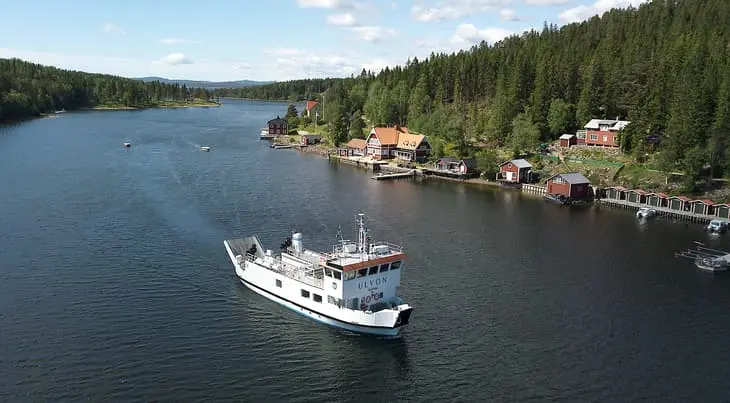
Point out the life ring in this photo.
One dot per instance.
(334, 285)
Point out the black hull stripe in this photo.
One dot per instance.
(308, 309)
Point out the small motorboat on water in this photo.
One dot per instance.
(645, 212)
(557, 199)
(706, 258)
(718, 226)
(127, 144)
(204, 148)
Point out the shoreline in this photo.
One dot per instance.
(134, 108)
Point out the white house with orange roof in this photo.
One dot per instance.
(309, 108)
(397, 142)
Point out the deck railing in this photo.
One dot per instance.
(294, 273)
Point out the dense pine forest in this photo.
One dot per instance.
(28, 89)
(664, 66)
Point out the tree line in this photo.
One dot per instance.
(664, 66)
(29, 89)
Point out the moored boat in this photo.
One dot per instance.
(204, 148)
(353, 287)
(718, 225)
(127, 144)
(645, 212)
(706, 258)
(557, 199)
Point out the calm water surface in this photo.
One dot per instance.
(114, 283)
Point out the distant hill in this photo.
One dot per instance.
(206, 84)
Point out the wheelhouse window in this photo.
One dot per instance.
(384, 267)
(278, 283)
(317, 298)
(339, 302)
(373, 270)
(337, 274)
(328, 272)
(395, 265)
(305, 293)
(362, 272)
(349, 275)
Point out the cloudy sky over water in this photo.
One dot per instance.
(266, 40)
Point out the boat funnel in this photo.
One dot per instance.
(296, 242)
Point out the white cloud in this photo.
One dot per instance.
(113, 29)
(175, 59)
(468, 34)
(508, 14)
(453, 9)
(373, 33)
(342, 20)
(176, 41)
(580, 13)
(545, 2)
(327, 4)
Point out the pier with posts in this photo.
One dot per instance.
(660, 211)
(534, 189)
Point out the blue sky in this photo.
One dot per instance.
(265, 40)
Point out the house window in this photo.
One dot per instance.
(317, 298)
(278, 283)
(594, 137)
(605, 138)
(305, 293)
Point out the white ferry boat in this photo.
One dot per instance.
(353, 287)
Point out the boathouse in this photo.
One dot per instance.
(278, 126)
(453, 165)
(722, 210)
(310, 139)
(706, 207)
(354, 147)
(572, 185)
(567, 140)
(515, 171)
(637, 196)
(679, 203)
(657, 199)
(615, 193)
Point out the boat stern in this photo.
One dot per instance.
(404, 315)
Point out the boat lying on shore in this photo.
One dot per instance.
(353, 287)
(707, 259)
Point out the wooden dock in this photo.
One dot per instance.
(661, 211)
(397, 175)
(534, 189)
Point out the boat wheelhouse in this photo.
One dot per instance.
(353, 287)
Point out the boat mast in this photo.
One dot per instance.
(362, 236)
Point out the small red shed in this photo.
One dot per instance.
(567, 140)
(573, 185)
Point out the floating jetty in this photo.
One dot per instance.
(706, 258)
(397, 175)
(279, 146)
(660, 211)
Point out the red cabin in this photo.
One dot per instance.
(572, 185)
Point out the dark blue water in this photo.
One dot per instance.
(114, 283)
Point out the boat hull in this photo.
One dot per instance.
(318, 317)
